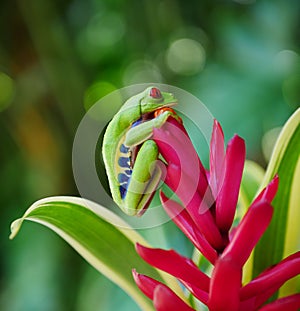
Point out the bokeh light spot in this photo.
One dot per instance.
(141, 71)
(286, 61)
(291, 90)
(186, 57)
(105, 30)
(101, 37)
(7, 90)
(97, 91)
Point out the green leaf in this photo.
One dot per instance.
(252, 178)
(283, 235)
(88, 228)
(292, 236)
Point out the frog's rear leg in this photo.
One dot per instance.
(146, 175)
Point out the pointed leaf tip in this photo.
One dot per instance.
(77, 221)
(217, 157)
(145, 284)
(171, 262)
(291, 303)
(273, 277)
(165, 300)
(245, 238)
(15, 228)
(269, 192)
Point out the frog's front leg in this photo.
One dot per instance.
(145, 177)
(143, 131)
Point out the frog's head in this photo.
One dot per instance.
(152, 99)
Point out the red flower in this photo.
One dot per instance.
(209, 200)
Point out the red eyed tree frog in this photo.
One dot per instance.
(130, 156)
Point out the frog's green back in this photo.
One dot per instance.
(116, 131)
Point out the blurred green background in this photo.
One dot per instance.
(241, 58)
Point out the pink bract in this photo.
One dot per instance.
(206, 215)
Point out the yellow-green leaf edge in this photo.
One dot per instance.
(102, 238)
(282, 236)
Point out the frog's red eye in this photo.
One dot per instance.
(155, 93)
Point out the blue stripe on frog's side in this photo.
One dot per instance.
(123, 178)
(124, 164)
(123, 191)
(124, 149)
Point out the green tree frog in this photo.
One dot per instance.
(130, 156)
